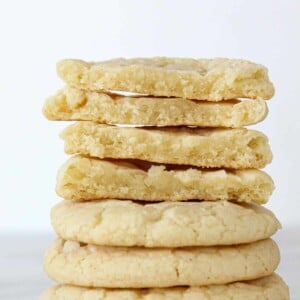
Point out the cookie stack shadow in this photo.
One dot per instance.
(171, 208)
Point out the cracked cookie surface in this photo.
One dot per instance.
(165, 224)
(200, 79)
(89, 265)
(268, 288)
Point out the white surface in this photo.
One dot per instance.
(22, 278)
(35, 34)
(21, 266)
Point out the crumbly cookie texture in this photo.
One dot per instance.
(216, 148)
(199, 79)
(88, 265)
(74, 104)
(84, 178)
(164, 224)
(268, 288)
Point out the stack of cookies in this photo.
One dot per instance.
(163, 198)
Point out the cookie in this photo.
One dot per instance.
(88, 265)
(212, 148)
(164, 224)
(83, 178)
(201, 79)
(269, 287)
(73, 104)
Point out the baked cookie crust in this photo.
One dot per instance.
(200, 79)
(164, 224)
(88, 265)
(267, 288)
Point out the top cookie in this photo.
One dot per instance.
(200, 79)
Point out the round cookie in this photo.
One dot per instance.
(270, 287)
(131, 267)
(164, 224)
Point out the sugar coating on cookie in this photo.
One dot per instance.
(85, 178)
(267, 288)
(164, 224)
(74, 104)
(200, 79)
(89, 265)
(212, 148)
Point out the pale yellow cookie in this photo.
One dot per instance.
(131, 267)
(73, 104)
(83, 178)
(268, 288)
(164, 224)
(216, 148)
(202, 79)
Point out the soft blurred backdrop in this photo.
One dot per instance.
(34, 35)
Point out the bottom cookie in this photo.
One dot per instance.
(270, 287)
(133, 267)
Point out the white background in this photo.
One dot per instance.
(36, 34)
